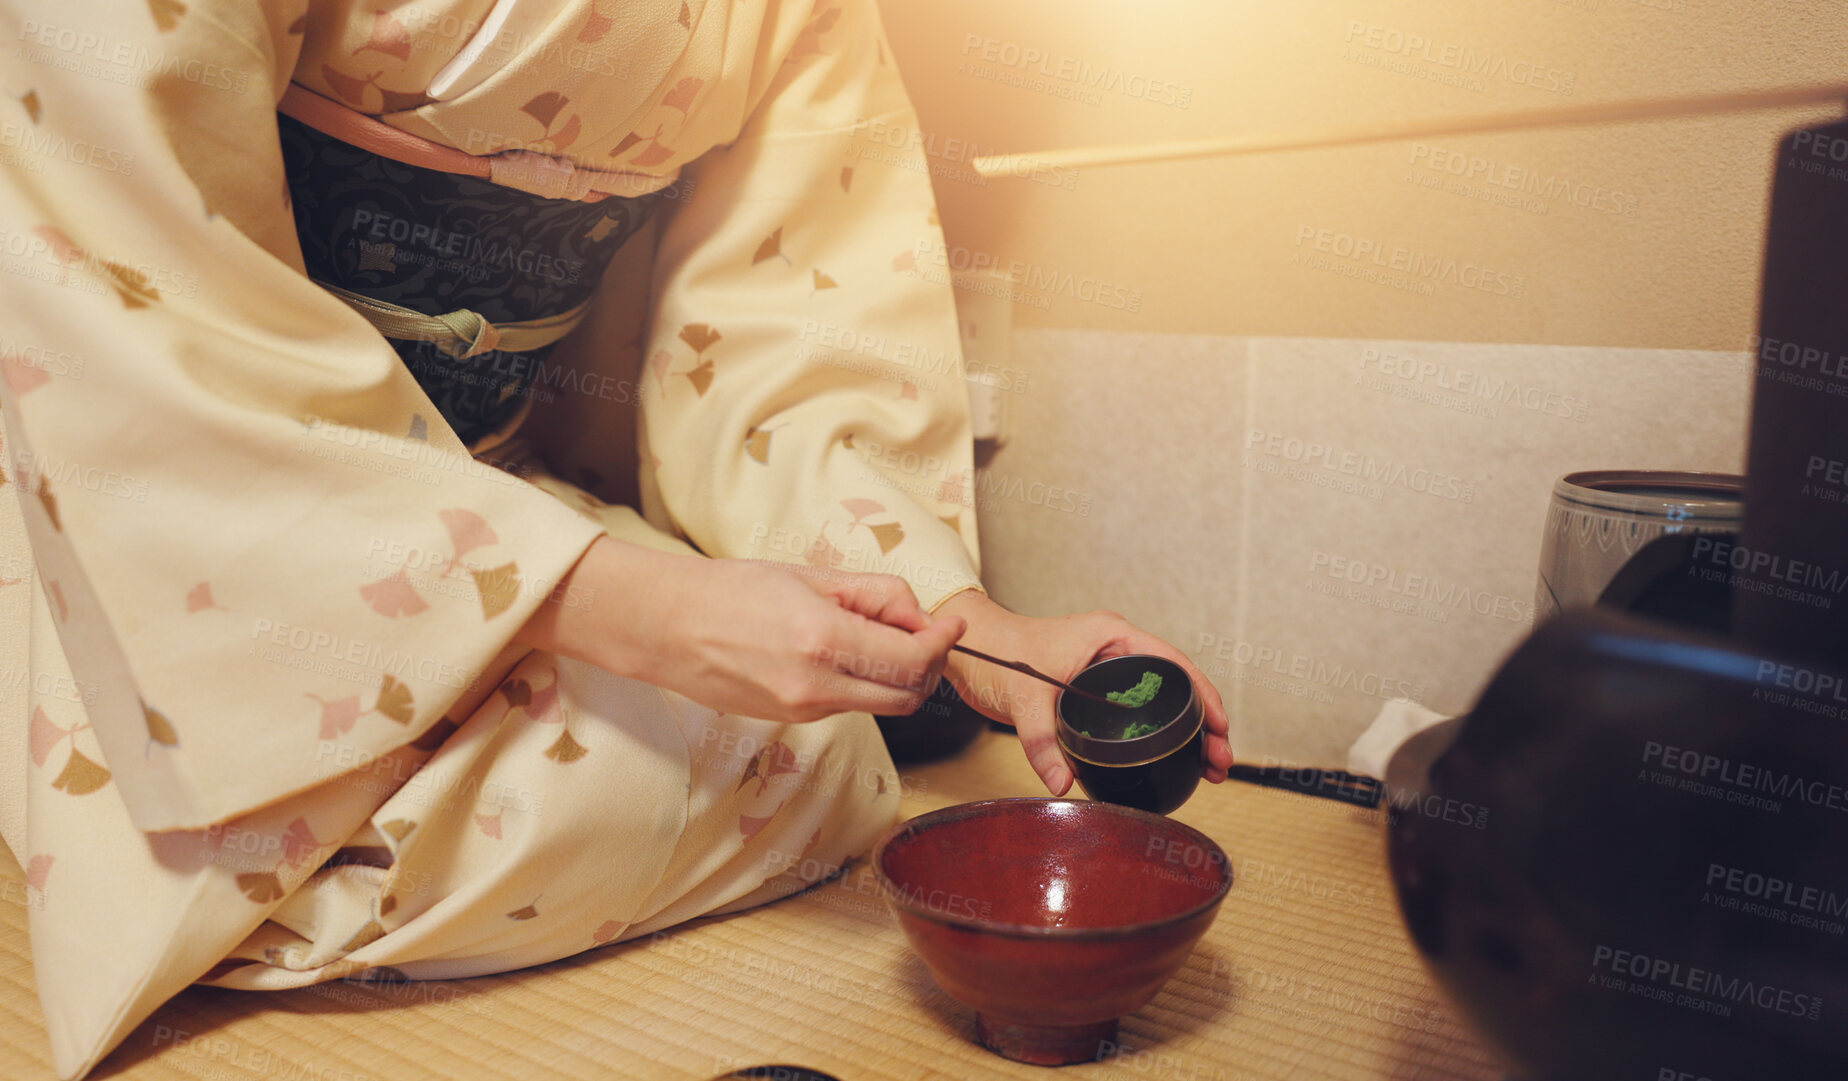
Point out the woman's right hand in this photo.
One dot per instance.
(779, 642)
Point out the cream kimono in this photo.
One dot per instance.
(262, 722)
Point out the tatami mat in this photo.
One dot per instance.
(1306, 975)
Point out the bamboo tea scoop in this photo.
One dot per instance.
(1028, 669)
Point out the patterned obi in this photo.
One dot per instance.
(471, 281)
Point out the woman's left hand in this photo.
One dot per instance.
(1061, 647)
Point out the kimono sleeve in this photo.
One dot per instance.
(804, 396)
(269, 559)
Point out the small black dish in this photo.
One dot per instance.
(1153, 772)
(944, 725)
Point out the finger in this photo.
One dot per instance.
(881, 598)
(841, 692)
(884, 654)
(1039, 738)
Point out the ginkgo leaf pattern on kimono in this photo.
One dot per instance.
(607, 931)
(31, 102)
(57, 600)
(622, 147)
(955, 488)
(686, 15)
(846, 177)
(700, 376)
(38, 869)
(44, 735)
(544, 108)
(540, 703)
(565, 750)
(467, 531)
(22, 377)
(752, 825)
(518, 693)
(337, 715)
(822, 281)
(771, 248)
(822, 552)
(529, 912)
(808, 42)
(350, 87)
(81, 775)
(757, 444)
(298, 843)
(261, 886)
(498, 588)
(860, 508)
(388, 37)
(905, 262)
(167, 13)
(682, 95)
(199, 598)
(393, 596)
(49, 502)
(700, 336)
(490, 824)
(769, 762)
(596, 24)
(656, 151)
(160, 730)
(369, 932)
(394, 700)
(398, 828)
(397, 101)
(889, 535)
(658, 366)
(420, 429)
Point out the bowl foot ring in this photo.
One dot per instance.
(1046, 1045)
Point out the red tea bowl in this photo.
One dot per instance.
(1051, 918)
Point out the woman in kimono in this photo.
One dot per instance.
(375, 631)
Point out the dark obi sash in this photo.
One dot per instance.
(472, 282)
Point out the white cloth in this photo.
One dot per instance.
(1398, 721)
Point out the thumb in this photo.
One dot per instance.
(940, 634)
